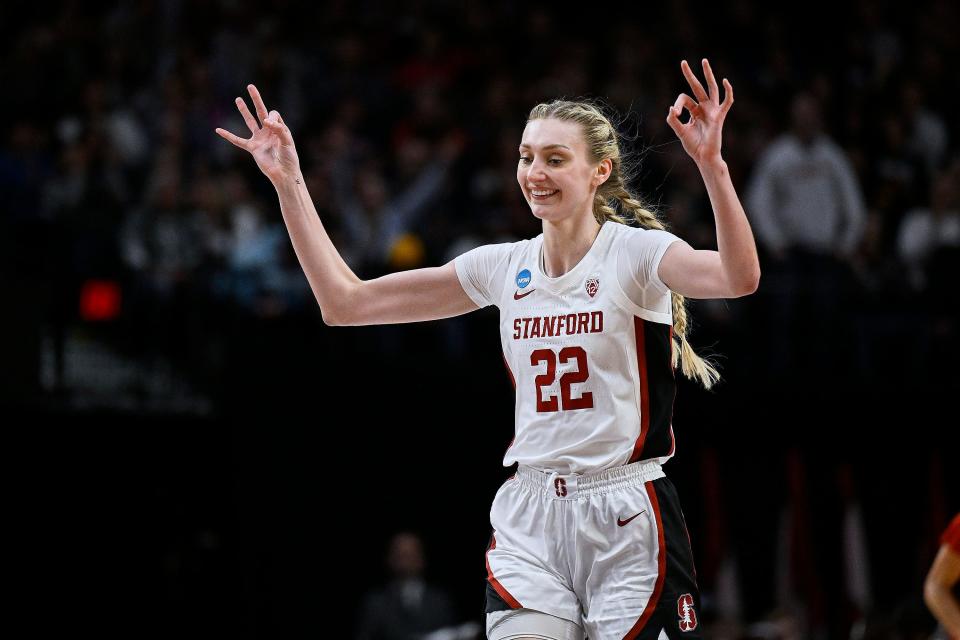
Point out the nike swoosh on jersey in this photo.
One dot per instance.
(517, 295)
(620, 522)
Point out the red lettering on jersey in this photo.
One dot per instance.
(583, 322)
(526, 328)
(551, 326)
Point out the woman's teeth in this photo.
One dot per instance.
(544, 194)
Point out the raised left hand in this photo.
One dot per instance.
(701, 135)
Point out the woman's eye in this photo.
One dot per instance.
(526, 160)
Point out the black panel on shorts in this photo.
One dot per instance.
(681, 578)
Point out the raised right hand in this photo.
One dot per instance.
(272, 145)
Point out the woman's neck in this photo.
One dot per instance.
(566, 242)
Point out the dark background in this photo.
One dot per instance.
(201, 455)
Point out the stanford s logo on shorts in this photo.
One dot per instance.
(561, 486)
(688, 617)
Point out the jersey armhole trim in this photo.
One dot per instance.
(621, 300)
(655, 275)
(468, 287)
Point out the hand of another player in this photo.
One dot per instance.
(701, 135)
(270, 145)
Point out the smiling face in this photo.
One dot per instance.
(557, 177)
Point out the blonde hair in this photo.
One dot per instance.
(602, 142)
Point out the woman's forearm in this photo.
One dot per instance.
(735, 242)
(942, 604)
(938, 588)
(329, 276)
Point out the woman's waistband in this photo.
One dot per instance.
(561, 485)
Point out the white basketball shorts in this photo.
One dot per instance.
(608, 551)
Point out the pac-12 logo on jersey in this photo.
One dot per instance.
(688, 616)
(593, 285)
(523, 278)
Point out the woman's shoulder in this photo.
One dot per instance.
(641, 234)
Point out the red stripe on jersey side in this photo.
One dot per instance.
(673, 402)
(661, 568)
(499, 588)
(671, 353)
(644, 388)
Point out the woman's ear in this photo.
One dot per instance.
(602, 172)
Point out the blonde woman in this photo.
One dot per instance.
(588, 536)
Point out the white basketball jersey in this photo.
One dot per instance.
(588, 352)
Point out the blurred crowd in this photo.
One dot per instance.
(407, 124)
(842, 143)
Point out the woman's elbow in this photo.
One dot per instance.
(754, 283)
(746, 286)
(331, 317)
(931, 593)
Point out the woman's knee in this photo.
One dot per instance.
(529, 624)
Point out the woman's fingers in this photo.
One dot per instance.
(257, 102)
(240, 142)
(271, 122)
(276, 123)
(728, 96)
(694, 83)
(684, 102)
(247, 116)
(673, 117)
(674, 120)
(711, 81)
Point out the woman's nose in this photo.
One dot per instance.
(537, 169)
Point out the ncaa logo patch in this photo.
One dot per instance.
(523, 278)
(688, 617)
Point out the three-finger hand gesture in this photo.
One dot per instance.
(701, 135)
(272, 145)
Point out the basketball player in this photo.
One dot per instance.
(942, 579)
(588, 536)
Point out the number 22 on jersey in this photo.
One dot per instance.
(566, 402)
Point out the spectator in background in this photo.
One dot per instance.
(379, 225)
(407, 607)
(940, 585)
(928, 242)
(163, 249)
(927, 132)
(808, 211)
(248, 254)
(927, 231)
